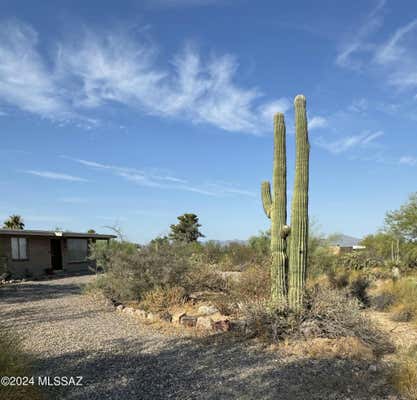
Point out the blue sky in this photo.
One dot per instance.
(134, 112)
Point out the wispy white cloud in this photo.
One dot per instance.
(348, 142)
(398, 56)
(408, 160)
(268, 110)
(115, 68)
(317, 122)
(156, 179)
(97, 69)
(25, 80)
(392, 50)
(357, 44)
(394, 58)
(359, 105)
(55, 176)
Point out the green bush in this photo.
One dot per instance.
(321, 261)
(359, 260)
(130, 272)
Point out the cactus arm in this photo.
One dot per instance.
(299, 209)
(266, 198)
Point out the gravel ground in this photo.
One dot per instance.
(69, 334)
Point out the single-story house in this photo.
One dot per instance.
(30, 253)
(342, 244)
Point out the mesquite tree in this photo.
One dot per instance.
(289, 263)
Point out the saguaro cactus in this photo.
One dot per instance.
(276, 209)
(288, 276)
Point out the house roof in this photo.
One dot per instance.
(344, 241)
(56, 234)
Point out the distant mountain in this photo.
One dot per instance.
(342, 240)
(227, 242)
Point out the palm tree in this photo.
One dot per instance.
(14, 222)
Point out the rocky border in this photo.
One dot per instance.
(208, 318)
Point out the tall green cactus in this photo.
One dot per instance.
(288, 276)
(276, 209)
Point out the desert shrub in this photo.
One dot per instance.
(358, 288)
(237, 256)
(404, 373)
(131, 272)
(261, 245)
(400, 298)
(359, 260)
(202, 277)
(253, 283)
(338, 280)
(13, 362)
(225, 304)
(403, 312)
(161, 299)
(328, 313)
(266, 324)
(382, 301)
(321, 261)
(211, 252)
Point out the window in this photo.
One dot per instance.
(19, 248)
(77, 250)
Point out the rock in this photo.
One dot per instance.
(204, 323)
(152, 317)
(140, 314)
(372, 368)
(188, 320)
(120, 307)
(176, 317)
(222, 325)
(129, 310)
(207, 310)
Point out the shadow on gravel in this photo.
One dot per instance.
(34, 316)
(29, 292)
(208, 369)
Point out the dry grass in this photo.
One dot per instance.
(161, 299)
(329, 314)
(400, 298)
(319, 348)
(13, 362)
(404, 373)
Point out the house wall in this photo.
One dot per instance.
(339, 250)
(39, 257)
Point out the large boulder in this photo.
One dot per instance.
(188, 320)
(205, 323)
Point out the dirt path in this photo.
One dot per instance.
(402, 334)
(119, 358)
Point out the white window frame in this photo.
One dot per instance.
(19, 241)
